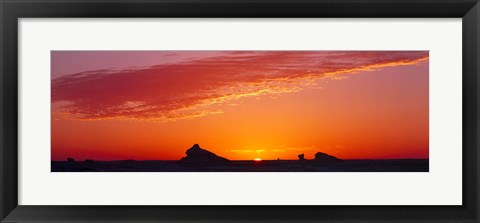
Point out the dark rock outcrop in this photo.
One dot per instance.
(325, 158)
(199, 156)
(301, 157)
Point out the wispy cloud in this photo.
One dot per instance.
(193, 88)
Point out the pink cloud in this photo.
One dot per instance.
(193, 88)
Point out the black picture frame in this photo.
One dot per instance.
(12, 10)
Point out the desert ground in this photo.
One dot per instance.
(398, 165)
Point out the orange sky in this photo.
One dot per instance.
(153, 105)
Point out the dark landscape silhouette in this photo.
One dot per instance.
(199, 156)
(202, 160)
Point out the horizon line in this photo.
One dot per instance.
(83, 160)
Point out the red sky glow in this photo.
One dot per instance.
(153, 105)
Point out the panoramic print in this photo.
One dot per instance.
(239, 111)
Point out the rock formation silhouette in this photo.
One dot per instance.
(301, 157)
(323, 157)
(199, 156)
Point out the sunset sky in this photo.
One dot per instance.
(242, 105)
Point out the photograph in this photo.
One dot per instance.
(203, 111)
(239, 111)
